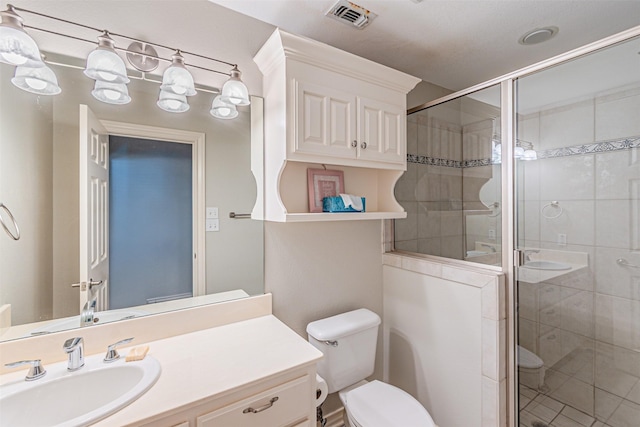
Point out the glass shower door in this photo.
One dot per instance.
(578, 233)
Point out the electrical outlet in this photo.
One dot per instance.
(212, 213)
(492, 234)
(562, 239)
(212, 225)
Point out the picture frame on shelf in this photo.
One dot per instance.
(323, 183)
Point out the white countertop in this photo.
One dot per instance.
(206, 363)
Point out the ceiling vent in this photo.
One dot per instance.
(351, 14)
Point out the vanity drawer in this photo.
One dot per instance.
(279, 406)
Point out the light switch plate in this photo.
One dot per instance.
(212, 213)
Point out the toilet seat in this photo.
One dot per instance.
(378, 404)
(527, 359)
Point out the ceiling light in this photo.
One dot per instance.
(41, 80)
(111, 93)
(16, 46)
(223, 110)
(173, 103)
(104, 63)
(177, 79)
(234, 91)
(538, 35)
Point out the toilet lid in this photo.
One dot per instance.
(378, 404)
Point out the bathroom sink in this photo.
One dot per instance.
(547, 265)
(100, 317)
(64, 398)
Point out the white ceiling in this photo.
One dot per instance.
(454, 44)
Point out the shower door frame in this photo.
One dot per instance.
(510, 255)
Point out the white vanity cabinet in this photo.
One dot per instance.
(281, 406)
(324, 106)
(252, 373)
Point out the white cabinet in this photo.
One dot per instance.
(279, 406)
(324, 106)
(343, 125)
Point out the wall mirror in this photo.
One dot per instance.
(150, 232)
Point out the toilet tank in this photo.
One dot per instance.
(348, 342)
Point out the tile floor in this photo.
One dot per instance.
(540, 410)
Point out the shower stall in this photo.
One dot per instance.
(537, 174)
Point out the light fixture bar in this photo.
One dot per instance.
(120, 35)
(142, 77)
(122, 49)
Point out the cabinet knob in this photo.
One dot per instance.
(354, 144)
(363, 145)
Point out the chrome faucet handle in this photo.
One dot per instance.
(36, 371)
(527, 253)
(74, 347)
(112, 354)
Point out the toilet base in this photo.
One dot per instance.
(533, 378)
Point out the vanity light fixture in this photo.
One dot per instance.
(172, 103)
(104, 64)
(16, 46)
(40, 80)
(223, 110)
(109, 70)
(177, 79)
(234, 90)
(111, 93)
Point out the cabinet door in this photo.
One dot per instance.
(279, 406)
(382, 134)
(325, 121)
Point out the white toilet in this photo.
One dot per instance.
(531, 369)
(348, 342)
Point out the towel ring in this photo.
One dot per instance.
(16, 235)
(554, 204)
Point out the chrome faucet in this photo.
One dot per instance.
(74, 347)
(86, 317)
(527, 254)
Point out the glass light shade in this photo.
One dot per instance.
(234, 91)
(172, 102)
(223, 110)
(177, 79)
(518, 152)
(16, 46)
(41, 81)
(111, 93)
(104, 64)
(530, 155)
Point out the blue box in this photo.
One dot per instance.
(335, 204)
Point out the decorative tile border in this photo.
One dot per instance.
(598, 147)
(576, 150)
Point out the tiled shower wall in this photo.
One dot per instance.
(448, 185)
(586, 326)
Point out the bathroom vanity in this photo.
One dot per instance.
(243, 372)
(215, 376)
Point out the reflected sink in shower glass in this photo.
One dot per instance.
(547, 265)
(74, 322)
(68, 399)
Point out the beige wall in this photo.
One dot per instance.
(25, 151)
(320, 269)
